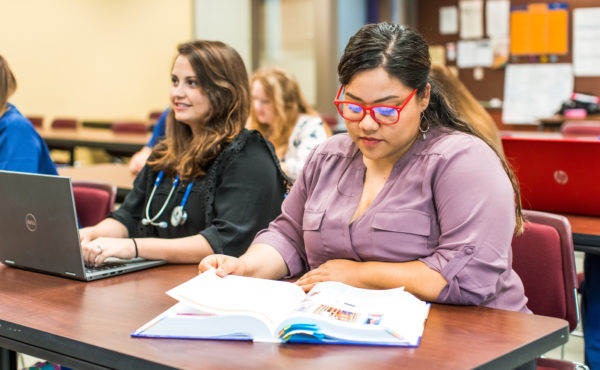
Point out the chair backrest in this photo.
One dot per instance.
(93, 201)
(130, 127)
(64, 123)
(543, 257)
(36, 121)
(580, 128)
(155, 115)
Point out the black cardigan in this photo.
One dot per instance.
(240, 194)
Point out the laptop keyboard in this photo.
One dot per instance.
(104, 266)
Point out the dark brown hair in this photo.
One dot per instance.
(223, 78)
(8, 84)
(404, 54)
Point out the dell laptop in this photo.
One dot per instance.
(39, 232)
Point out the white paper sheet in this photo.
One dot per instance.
(586, 41)
(448, 20)
(497, 16)
(471, 19)
(478, 53)
(534, 91)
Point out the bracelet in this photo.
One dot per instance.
(135, 245)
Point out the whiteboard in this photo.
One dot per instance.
(535, 91)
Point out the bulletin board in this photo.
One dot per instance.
(491, 85)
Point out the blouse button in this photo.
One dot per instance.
(469, 250)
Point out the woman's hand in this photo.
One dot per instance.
(343, 271)
(87, 234)
(223, 264)
(99, 249)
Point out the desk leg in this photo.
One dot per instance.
(8, 359)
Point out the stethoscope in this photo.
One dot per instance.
(178, 216)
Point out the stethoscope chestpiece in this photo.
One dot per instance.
(178, 216)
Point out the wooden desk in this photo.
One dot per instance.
(112, 173)
(557, 120)
(586, 232)
(546, 135)
(88, 325)
(93, 138)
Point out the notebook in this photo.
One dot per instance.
(38, 229)
(556, 175)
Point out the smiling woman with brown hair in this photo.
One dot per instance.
(210, 185)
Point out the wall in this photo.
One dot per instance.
(92, 59)
(492, 85)
(229, 21)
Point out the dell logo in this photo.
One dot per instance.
(561, 177)
(30, 222)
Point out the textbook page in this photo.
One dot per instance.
(336, 312)
(186, 322)
(268, 300)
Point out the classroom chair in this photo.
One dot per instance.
(60, 123)
(580, 128)
(154, 116)
(130, 127)
(93, 201)
(36, 121)
(127, 128)
(544, 259)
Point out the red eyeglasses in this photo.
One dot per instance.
(382, 114)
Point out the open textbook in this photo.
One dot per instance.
(244, 308)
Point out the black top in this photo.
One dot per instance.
(240, 194)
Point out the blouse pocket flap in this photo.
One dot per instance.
(312, 220)
(403, 221)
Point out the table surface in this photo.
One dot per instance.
(83, 135)
(88, 325)
(112, 173)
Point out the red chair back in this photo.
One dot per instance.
(64, 123)
(543, 257)
(93, 201)
(36, 121)
(154, 115)
(130, 128)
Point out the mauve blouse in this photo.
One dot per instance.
(447, 202)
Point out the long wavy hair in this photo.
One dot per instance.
(283, 90)
(404, 54)
(223, 78)
(8, 84)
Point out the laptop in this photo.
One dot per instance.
(556, 175)
(38, 229)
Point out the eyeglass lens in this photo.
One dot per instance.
(354, 112)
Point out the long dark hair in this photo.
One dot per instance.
(223, 78)
(404, 54)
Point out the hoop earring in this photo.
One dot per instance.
(424, 131)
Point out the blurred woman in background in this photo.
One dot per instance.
(280, 112)
(21, 147)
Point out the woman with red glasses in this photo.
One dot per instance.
(412, 196)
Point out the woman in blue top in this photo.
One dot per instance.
(21, 147)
